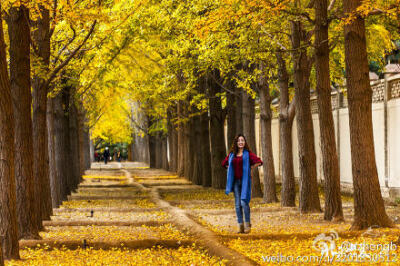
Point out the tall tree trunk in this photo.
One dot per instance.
(152, 150)
(333, 200)
(309, 198)
(231, 102)
(266, 142)
(250, 134)
(74, 140)
(172, 138)
(41, 36)
(369, 207)
(20, 77)
(130, 154)
(187, 156)
(192, 149)
(8, 213)
(82, 134)
(135, 149)
(286, 116)
(165, 163)
(53, 173)
(59, 143)
(67, 161)
(198, 160)
(238, 111)
(1, 255)
(87, 151)
(181, 146)
(217, 139)
(206, 180)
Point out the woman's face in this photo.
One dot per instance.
(241, 142)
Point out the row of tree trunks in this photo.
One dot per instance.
(309, 198)
(84, 143)
(333, 200)
(65, 146)
(20, 77)
(158, 150)
(8, 213)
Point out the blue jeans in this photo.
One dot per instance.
(240, 205)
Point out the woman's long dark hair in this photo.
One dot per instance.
(235, 148)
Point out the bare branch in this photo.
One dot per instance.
(70, 41)
(55, 3)
(66, 61)
(332, 3)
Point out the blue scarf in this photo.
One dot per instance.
(246, 177)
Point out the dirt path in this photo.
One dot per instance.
(119, 206)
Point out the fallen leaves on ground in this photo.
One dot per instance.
(128, 203)
(154, 256)
(112, 233)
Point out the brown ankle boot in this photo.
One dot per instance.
(247, 227)
(241, 229)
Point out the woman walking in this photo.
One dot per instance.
(239, 163)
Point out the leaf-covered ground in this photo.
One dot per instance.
(152, 234)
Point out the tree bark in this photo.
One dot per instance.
(74, 140)
(250, 134)
(309, 198)
(8, 213)
(369, 209)
(1, 255)
(266, 142)
(41, 36)
(206, 180)
(333, 200)
(198, 159)
(53, 173)
(231, 102)
(238, 111)
(286, 117)
(165, 163)
(20, 77)
(192, 149)
(152, 150)
(59, 146)
(172, 141)
(67, 161)
(217, 139)
(181, 146)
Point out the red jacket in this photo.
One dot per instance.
(238, 163)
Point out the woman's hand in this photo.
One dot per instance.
(255, 165)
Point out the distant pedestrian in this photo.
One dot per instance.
(106, 155)
(239, 163)
(96, 156)
(118, 156)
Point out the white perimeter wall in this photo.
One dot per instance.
(344, 143)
